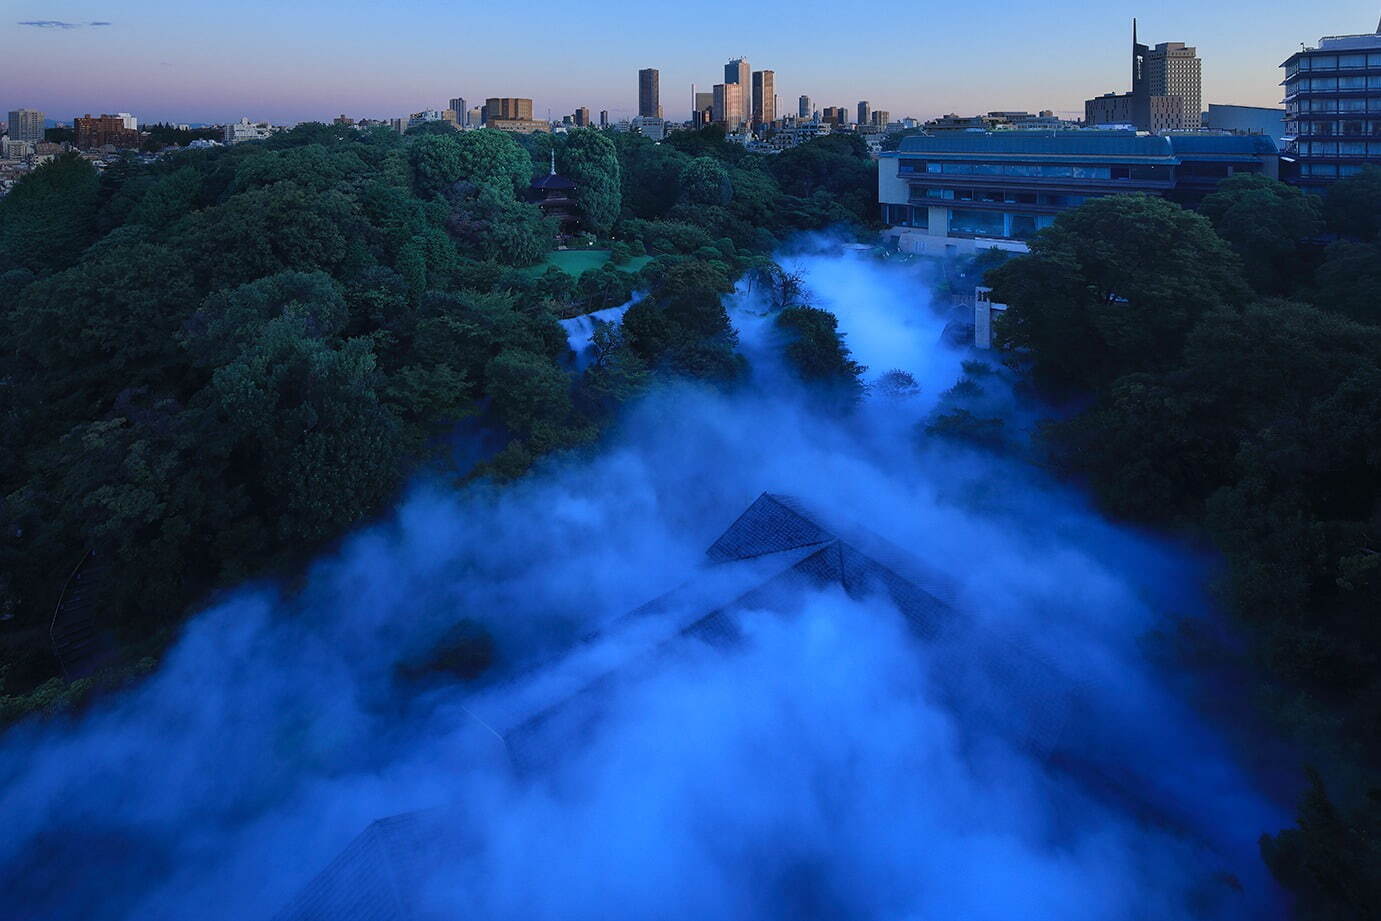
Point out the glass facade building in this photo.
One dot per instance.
(1333, 107)
(1005, 186)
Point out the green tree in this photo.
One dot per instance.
(651, 174)
(1352, 206)
(589, 159)
(49, 216)
(167, 200)
(682, 324)
(1349, 281)
(705, 181)
(1265, 221)
(815, 350)
(493, 158)
(1330, 861)
(1114, 286)
(323, 451)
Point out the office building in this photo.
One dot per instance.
(803, 107)
(507, 107)
(652, 128)
(100, 131)
(764, 98)
(881, 118)
(729, 110)
(796, 133)
(426, 115)
(838, 116)
(959, 192)
(865, 112)
(604, 118)
(582, 117)
(1166, 91)
(1246, 120)
(1333, 107)
(458, 106)
(649, 93)
(26, 125)
(737, 95)
(703, 114)
(511, 113)
(1174, 69)
(738, 71)
(1145, 113)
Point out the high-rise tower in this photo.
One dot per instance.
(764, 97)
(649, 93)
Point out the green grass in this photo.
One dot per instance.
(577, 262)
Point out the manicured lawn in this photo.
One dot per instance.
(579, 261)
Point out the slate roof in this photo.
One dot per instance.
(382, 875)
(1123, 146)
(777, 547)
(1222, 146)
(551, 181)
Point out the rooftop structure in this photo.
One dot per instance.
(1333, 107)
(1166, 90)
(555, 196)
(1247, 120)
(954, 193)
(758, 567)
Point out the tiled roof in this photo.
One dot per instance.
(775, 549)
(1041, 143)
(1235, 146)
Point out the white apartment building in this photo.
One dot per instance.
(246, 130)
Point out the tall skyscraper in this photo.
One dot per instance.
(729, 109)
(738, 101)
(582, 117)
(1166, 90)
(458, 106)
(604, 118)
(1173, 69)
(738, 71)
(764, 97)
(864, 112)
(26, 125)
(803, 107)
(649, 93)
(703, 112)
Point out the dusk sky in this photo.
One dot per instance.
(309, 59)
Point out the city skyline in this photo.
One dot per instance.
(307, 69)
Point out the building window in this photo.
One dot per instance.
(1023, 226)
(976, 223)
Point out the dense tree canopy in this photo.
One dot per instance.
(217, 361)
(1113, 287)
(1255, 423)
(1266, 222)
(588, 158)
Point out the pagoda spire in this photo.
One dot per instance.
(553, 161)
